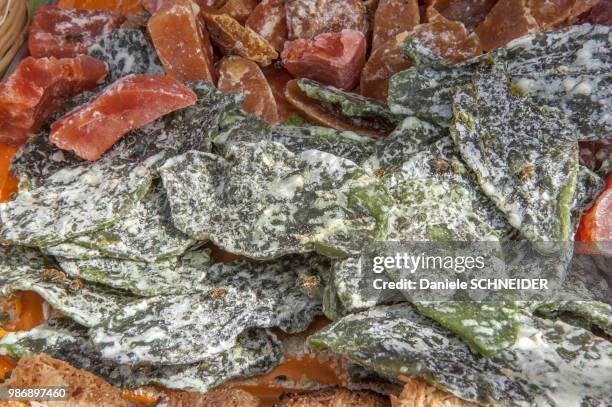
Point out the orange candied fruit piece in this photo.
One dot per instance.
(180, 42)
(66, 33)
(235, 39)
(448, 39)
(278, 79)
(269, 20)
(238, 74)
(595, 231)
(240, 10)
(122, 6)
(127, 104)
(38, 87)
(393, 17)
(8, 183)
(333, 59)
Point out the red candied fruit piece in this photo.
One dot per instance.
(278, 79)
(469, 12)
(269, 20)
(64, 33)
(153, 5)
(510, 19)
(180, 41)
(129, 103)
(38, 87)
(334, 59)
(595, 230)
(601, 14)
(238, 74)
(393, 17)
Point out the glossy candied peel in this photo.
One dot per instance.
(238, 74)
(180, 41)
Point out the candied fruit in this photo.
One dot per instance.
(595, 230)
(66, 33)
(308, 18)
(447, 38)
(384, 62)
(469, 12)
(277, 79)
(235, 39)
(268, 20)
(38, 87)
(393, 17)
(510, 19)
(129, 103)
(333, 59)
(238, 74)
(180, 42)
(238, 9)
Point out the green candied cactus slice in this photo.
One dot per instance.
(357, 108)
(263, 201)
(174, 275)
(144, 233)
(73, 202)
(549, 362)
(127, 52)
(240, 127)
(585, 314)
(86, 304)
(409, 137)
(172, 329)
(566, 69)
(16, 260)
(525, 161)
(255, 352)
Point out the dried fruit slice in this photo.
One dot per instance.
(469, 12)
(448, 39)
(234, 39)
(65, 33)
(269, 20)
(277, 79)
(393, 17)
(340, 110)
(238, 9)
(179, 39)
(595, 230)
(238, 74)
(38, 87)
(129, 103)
(308, 18)
(333, 59)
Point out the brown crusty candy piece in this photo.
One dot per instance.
(308, 18)
(84, 388)
(237, 74)
(235, 39)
